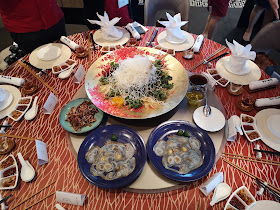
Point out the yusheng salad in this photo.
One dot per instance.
(135, 82)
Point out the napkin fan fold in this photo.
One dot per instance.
(239, 57)
(109, 31)
(174, 34)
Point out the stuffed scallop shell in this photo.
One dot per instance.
(112, 161)
(179, 154)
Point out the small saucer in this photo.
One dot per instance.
(246, 69)
(82, 55)
(10, 145)
(7, 102)
(175, 41)
(237, 93)
(214, 122)
(245, 109)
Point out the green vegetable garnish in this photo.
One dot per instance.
(114, 137)
(186, 134)
(180, 132)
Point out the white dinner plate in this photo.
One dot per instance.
(253, 75)
(7, 102)
(214, 122)
(16, 95)
(267, 136)
(98, 38)
(187, 44)
(49, 53)
(48, 64)
(266, 204)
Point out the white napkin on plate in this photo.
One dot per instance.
(109, 31)
(12, 80)
(173, 28)
(238, 59)
(263, 83)
(267, 101)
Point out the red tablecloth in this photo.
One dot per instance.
(63, 166)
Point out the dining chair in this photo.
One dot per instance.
(151, 8)
(267, 38)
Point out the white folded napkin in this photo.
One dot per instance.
(69, 42)
(263, 83)
(173, 28)
(109, 31)
(12, 80)
(267, 101)
(238, 59)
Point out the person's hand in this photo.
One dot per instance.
(274, 6)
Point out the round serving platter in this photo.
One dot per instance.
(175, 70)
(99, 137)
(207, 149)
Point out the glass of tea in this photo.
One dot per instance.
(195, 96)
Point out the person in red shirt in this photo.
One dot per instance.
(219, 10)
(32, 23)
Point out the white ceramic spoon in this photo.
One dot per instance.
(222, 191)
(237, 123)
(67, 73)
(32, 112)
(27, 171)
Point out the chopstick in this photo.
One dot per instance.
(252, 159)
(17, 137)
(220, 56)
(272, 192)
(154, 35)
(89, 51)
(5, 126)
(92, 40)
(210, 56)
(33, 195)
(266, 151)
(40, 200)
(38, 69)
(251, 175)
(151, 34)
(37, 77)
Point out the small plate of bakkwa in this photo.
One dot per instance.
(80, 116)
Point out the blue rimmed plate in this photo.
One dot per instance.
(98, 138)
(67, 126)
(207, 149)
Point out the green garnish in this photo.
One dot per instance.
(180, 132)
(186, 134)
(114, 137)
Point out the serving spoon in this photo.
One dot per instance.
(67, 73)
(206, 108)
(32, 112)
(222, 191)
(27, 171)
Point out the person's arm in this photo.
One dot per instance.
(275, 6)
